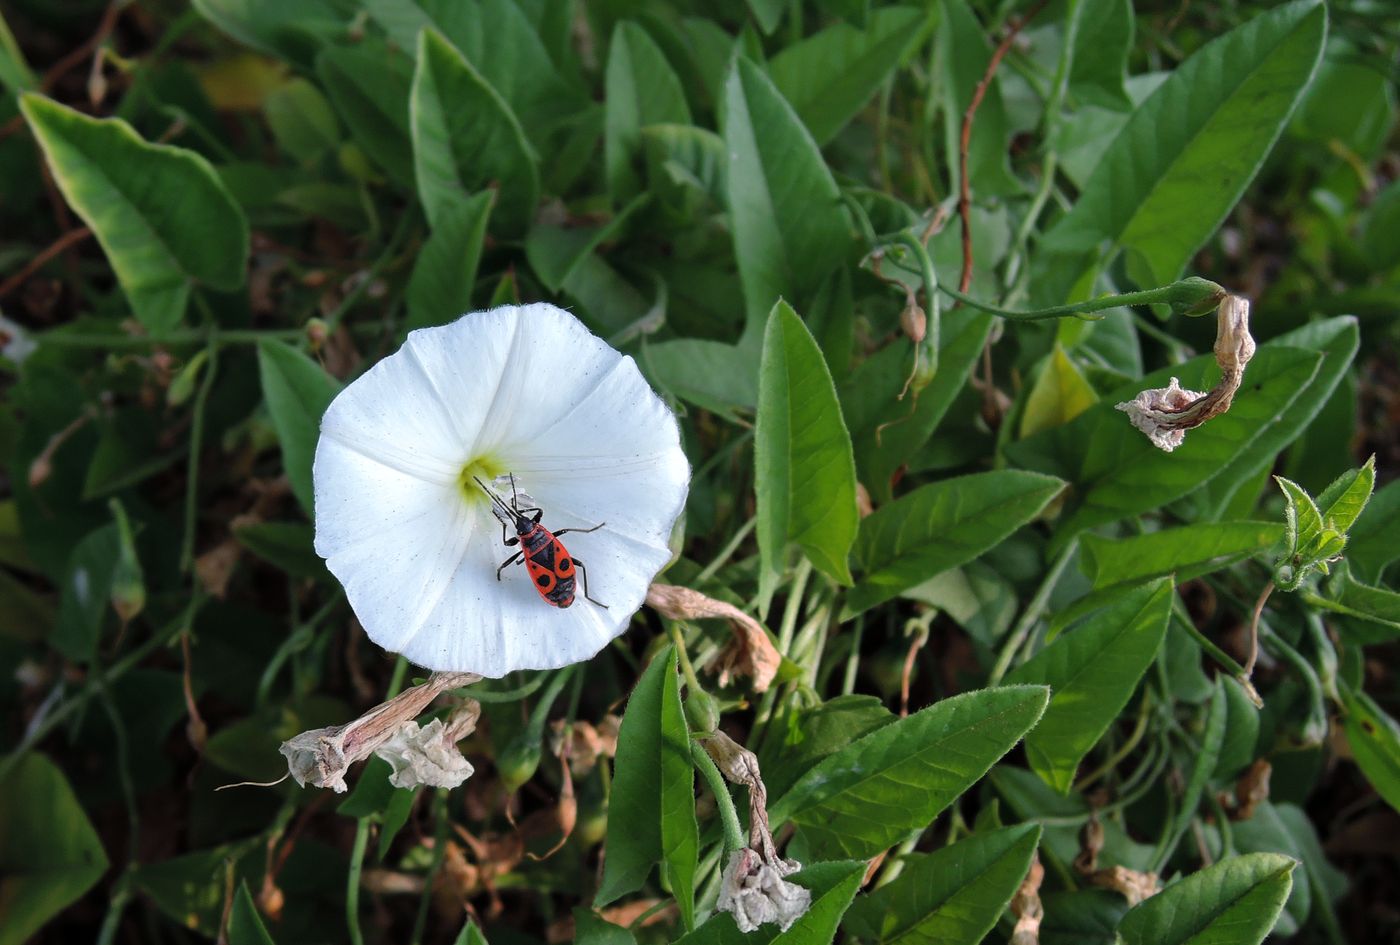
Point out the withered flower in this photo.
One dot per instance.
(1166, 413)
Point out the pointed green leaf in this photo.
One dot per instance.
(470, 935)
(245, 926)
(1234, 902)
(1374, 738)
(1060, 393)
(1346, 595)
(466, 138)
(1188, 152)
(289, 29)
(804, 470)
(830, 76)
(955, 894)
(1302, 520)
(1371, 543)
(883, 447)
(121, 186)
(871, 794)
(790, 229)
(1187, 551)
(440, 288)
(1342, 502)
(297, 391)
(680, 835)
(15, 74)
(641, 89)
(49, 853)
(369, 86)
(1203, 766)
(940, 526)
(1102, 41)
(634, 805)
(591, 929)
(1092, 671)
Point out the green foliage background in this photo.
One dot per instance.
(1009, 626)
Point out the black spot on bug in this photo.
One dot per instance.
(542, 580)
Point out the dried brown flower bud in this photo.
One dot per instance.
(749, 653)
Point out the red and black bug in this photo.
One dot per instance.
(550, 565)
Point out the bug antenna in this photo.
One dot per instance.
(497, 500)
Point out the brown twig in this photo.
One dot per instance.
(1254, 630)
(38, 262)
(964, 143)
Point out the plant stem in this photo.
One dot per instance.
(440, 827)
(1184, 620)
(1165, 295)
(1031, 614)
(688, 670)
(201, 399)
(352, 882)
(724, 801)
(726, 552)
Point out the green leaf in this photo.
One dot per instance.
(790, 229)
(1092, 671)
(297, 391)
(369, 86)
(557, 252)
(832, 885)
(84, 603)
(955, 894)
(302, 120)
(471, 934)
(882, 448)
(940, 526)
(1060, 393)
(810, 734)
(287, 545)
(1188, 551)
(830, 76)
(121, 186)
(592, 929)
(703, 372)
(1188, 152)
(49, 853)
(1102, 41)
(1346, 595)
(289, 29)
(1374, 738)
(1203, 766)
(641, 89)
(1338, 340)
(15, 74)
(680, 835)
(1118, 473)
(440, 288)
(805, 474)
(1342, 502)
(874, 792)
(245, 926)
(1371, 544)
(1234, 902)
(634, 806)
(465, 138)
(967, 52)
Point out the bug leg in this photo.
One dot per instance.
(581, 531)
(583, 572)
(507, 563)
(505, 540)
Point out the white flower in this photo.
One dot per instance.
(424, 756)
(1159, 413)
(754, 891)
(525, 390)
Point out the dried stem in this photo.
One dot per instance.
(965, 141)
(1248, 671)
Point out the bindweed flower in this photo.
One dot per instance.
(429, 755)
(1166, 413)
(320, 757)
(521, 390)
(754, 891)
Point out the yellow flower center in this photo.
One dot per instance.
(486, 468)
